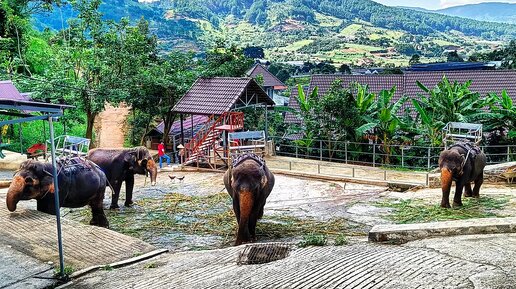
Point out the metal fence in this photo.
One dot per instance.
(423, 158)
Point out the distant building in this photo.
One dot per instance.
(449, 66)
(271, 84)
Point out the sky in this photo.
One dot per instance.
(435, 4)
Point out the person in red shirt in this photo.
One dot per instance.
(161, 154)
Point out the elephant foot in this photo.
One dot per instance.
(445, 205)
(476, 196)
(457, 204)
(100, 222)
(114, 207)
(128, 203)
(468, 195)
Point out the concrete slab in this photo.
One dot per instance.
(356, 266)
(402, 233)
(34, 234)
(21, 271)
(12, 160)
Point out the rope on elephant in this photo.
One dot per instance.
(247, 156)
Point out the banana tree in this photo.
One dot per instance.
(385, 121)
(502, 115)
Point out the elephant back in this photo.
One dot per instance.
(248, 156)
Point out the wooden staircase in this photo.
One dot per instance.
(205, 147)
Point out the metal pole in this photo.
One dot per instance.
(21, 142)
(402, 157)
(508, 153)
(428, 164)
(374, 155)
(266, 125)
(320, 150)
(346, 150)
(56, 198)
(182, 131)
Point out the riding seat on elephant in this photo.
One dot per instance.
(120, 165)
(81, 182)
(249, 182)
(463, 163)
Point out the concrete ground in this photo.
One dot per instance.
(453, 262)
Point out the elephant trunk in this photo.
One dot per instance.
(446, 182)
(152, 168)
(246, 202)
(14, 192)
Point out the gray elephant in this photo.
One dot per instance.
(120, 165)
(81, 183)
(249, 182)
(463, 163)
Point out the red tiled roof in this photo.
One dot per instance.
(269, 79)
(9, 91)
(217, 95)
(483, 82)
(292, 103)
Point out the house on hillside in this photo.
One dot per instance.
(483, 82)
(271, 84)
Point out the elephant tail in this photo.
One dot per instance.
(246, 200)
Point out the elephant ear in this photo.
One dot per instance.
(130, 160)
(142, 163)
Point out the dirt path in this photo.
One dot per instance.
(111, 126)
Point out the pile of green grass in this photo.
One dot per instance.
(213, 216)
(416, 211)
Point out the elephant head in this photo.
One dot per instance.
(32, 181)
(451, 165)
(143, 166)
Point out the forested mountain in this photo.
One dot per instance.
(495, 12)
(344, 31)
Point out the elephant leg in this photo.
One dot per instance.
(236, 208)
(46, 205)
(478, 182)
(97, 211)
(253, 220)
(129, 185)
(457, 198)
(467, 190)
(116, 194)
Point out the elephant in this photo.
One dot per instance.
(80, 182)
(249, 182)
(463, 163)
(121, 165)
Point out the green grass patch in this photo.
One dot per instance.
(327, 21)
(416, 211)
(350, 30)
(341, 240)
(211, 216)
(68, 270)
(313, 240)
(298, 45)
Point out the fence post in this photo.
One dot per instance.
(374, 155)
(428, 165)
(320, 150)
(346, 151)
(290, 165)
(508, 153)
(353, 172)
(318, 169)
(384, 175)
(402, 157)
(427, 179)
(296, 152)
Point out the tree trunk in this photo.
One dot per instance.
(90, 119)
(168, 120)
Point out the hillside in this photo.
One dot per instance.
(360, 32)
(495, 12)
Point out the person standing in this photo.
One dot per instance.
(161, 154)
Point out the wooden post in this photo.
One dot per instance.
(402, 157)
(508, 153)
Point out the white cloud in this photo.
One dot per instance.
(450, 3)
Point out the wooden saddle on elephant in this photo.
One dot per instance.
(472, 149)
(246, 156)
